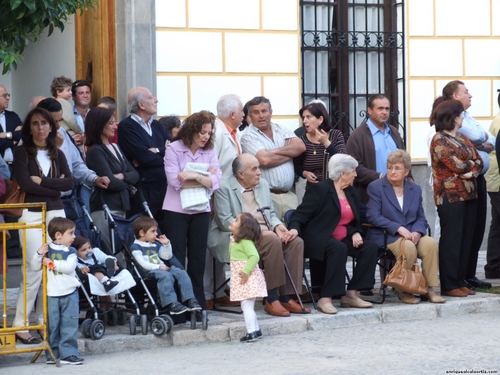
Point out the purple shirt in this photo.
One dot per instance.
(176, 158)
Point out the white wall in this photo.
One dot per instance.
(48, 58)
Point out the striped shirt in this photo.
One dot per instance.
(253, 140)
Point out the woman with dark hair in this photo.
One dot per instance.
(189, 228)
(106, 159)
(321, 140)
(172, 124)
(43, 173)
(246, 118)
(455, 166)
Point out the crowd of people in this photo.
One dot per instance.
(215, 184)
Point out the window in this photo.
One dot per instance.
(352, 49)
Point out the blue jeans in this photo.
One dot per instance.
(165, 283)
(63, 325)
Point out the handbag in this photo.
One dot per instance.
(197, 198)
(407, 280)
(13, 194)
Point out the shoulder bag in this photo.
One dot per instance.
(407, 280)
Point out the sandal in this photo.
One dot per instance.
(29, 341)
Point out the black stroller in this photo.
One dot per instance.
(96, 318)
(122, 237)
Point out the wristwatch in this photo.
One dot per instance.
(8, 135)
(199, 179)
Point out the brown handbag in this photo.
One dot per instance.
(401, 278)
(13, 194)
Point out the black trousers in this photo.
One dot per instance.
(479, 227)
(189, 232)
(457, 228)
(330, 272)
(492, 267)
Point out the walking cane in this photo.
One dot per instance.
(261, 210)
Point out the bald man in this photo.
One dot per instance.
(143, 140)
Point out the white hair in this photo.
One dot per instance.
(227, 104)
(341, 163)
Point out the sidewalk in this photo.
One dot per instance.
(223, 327)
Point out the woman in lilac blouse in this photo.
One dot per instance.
(186, 228)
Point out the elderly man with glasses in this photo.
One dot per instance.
(10, 127)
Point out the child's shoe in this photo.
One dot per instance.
(193, 305)
(109, 284)
(72, 360)
(177, 308)
(110, 267)
(259, 334)
(249, 337)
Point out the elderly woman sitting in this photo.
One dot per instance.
(328, 220)
(396, 205)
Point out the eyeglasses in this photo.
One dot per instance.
(395, 169)
(5, 95)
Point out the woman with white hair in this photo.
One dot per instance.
(328, 220)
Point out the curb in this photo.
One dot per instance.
(225, 327)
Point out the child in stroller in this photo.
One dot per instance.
(149, 251)
(96, 262)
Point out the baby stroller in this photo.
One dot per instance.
(122, 237)
(93, 326)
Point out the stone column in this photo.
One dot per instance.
(135, 48)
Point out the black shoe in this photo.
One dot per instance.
(177, 308)
(110, 267)
(259, 334)
(475, 282)
(72, 360)
(109, 284)
(193, 305)
(249, 337)
(32, 340)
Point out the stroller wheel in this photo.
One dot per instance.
(169, 321)
(193, 319)
(144, 324)
(158, 326)
(97, 329)
(103, 315)
(112, 318)
(85, 328)
(122, 317)
(133, 324)
(204, 320)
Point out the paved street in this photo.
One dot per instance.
(421, 347)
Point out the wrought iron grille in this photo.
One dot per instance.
(352, 49)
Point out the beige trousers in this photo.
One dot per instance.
(427, 250)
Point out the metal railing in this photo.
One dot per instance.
(8, 334)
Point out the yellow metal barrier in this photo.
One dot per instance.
(8, 335)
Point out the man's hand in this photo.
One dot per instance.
(78, 138)
(284, 234)
(102, 182)
(488, 147)
(153, 150)
(163, 267)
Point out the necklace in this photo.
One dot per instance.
(398, 190)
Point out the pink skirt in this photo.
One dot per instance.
(254, 287)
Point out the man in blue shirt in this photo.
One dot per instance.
(372, 142)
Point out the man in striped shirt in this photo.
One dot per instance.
(274, 146)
